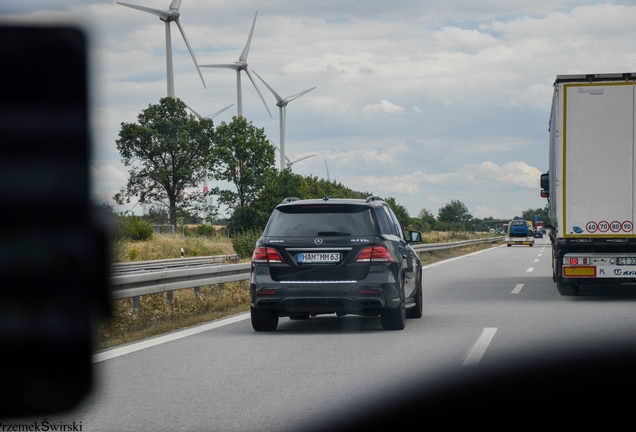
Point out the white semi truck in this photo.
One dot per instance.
(591, 182)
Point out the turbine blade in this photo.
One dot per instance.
(221, 66)
(296, 96)
(159, 12)
(219, 112)
(191, 52)
(303, 158)
(246, 50)
(258, 90)
(176, 4)
(197, 115)
(327, 168)
(278, 98)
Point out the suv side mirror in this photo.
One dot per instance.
(545, 181)
(415, 237)
(545, 193)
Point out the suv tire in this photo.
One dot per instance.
(264, 319)
(416, 312)
(394, 319)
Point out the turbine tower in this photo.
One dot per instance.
(241, 65)
(168, 16)
(282, 114)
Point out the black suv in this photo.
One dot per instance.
(343, 256)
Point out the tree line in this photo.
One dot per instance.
(170, 153)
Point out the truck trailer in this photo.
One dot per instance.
(591, 180)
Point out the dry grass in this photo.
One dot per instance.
(167, 246)
(157, 315)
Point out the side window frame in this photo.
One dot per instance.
(384, 220)
(396, 223)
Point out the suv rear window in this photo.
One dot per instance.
(322, 220)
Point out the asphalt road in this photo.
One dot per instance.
(478, 308)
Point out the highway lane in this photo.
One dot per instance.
(477, 309)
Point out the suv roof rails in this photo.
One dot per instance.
(290, 199)
(374, 198)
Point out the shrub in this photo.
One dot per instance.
(245, 242)
(133, 228)
(206, 231)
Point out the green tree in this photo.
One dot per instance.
(544, 214)
(455, 212)
(401, 212)
(242, 156)
(167, 152)
(425, 221)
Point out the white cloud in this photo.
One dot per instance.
(483, 212)
(383, 107)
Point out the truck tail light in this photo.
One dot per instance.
(264, 255)
(375, 254)
(578, 261)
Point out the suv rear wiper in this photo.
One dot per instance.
(333, 233)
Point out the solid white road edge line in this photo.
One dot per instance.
(477, 351)
(517, 289)
(116, 352)
(530, 270)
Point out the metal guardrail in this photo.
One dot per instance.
(182, 273)
(429, 247)
(172, 263)
(133, 285)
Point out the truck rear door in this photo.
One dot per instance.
(598, 159)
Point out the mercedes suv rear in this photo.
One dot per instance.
(343, 256)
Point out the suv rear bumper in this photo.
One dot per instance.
(321, 298)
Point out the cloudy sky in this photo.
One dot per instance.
(426, 101)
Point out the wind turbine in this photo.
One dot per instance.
(241, 65)
(282, 114)
(211, 116)
(327, 168)
(289, 162)
(168, 16)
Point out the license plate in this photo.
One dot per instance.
(318, 257)
(626, 261)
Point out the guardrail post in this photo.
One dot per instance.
(135, 304)
(197, 291)
(170, 298)
(221, 286)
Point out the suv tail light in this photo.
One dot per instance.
(375, 254)
(266, 255)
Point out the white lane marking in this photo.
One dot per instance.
(530, 270)
(517, 289)
(117, 352)
(540, 255)
(537, 260)
(477, 351)
(459, 257)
